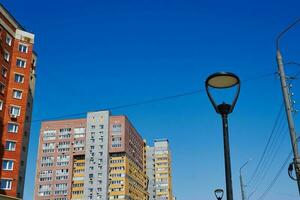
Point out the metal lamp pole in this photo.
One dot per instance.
(241, 181)
(288, 107)
(224, 80)
(224, 111)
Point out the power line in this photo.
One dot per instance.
(263, 156)
(127, 105)
(147, 101)
(275, 178)
(272, 156)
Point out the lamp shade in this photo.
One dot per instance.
(219, 193)
(219, 81)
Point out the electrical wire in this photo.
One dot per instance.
(275, 178)
(272, 156)
(127, 105)
(263, 156)
(150, 101)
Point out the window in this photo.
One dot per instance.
(5, 184)
(48, 147)
(19, 78)
(10, 146)
(63, 146)
(64, 133)
(15, 110)
(4, 72)
(23, 48)
(6, 56)
(46, 175)
(79, 132)
(7, 165)
(8, 40)
(1, 104)
(12, 128)
(47, 161)
(61, 189)
(45, 190)
(116, 129)
(49, 135)
(21, 63)
(2, 88)
(17, 94)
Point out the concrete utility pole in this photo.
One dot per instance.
(287, 102)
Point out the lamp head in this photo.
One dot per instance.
(221, 81)
(219, 193)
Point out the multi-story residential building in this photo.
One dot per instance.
(100, 157)
(78, 177)
(96, 157)
(128, 179)
(60, 163)
(17, 82)
(159, 171)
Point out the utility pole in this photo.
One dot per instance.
(287, 102)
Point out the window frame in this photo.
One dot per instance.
(10, 39)
(15, 106)
(21, 75)
(10, 141)
(25, 45)
(17, 129)
(22, 60)
(6, 53)
(6, 179)
(6, 70)
(9, 160)
(13, 92)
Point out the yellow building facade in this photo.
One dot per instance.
(78, 177)
(163, 176)
(159, 170)
(127, 180)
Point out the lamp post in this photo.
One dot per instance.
(218, 81)
(219, 193)
(241, 181)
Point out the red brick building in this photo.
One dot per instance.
(17, 81)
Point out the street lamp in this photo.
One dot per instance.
(219, 81)
(241, 181)
(219, 193)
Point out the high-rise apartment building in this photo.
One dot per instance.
(60, 162)
(128, 179)
(98, 158)
(17, 82)
(159, 171)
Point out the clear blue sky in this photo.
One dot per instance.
(95, 54)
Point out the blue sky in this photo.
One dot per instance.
(97, 54)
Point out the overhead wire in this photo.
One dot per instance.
(263, 155)
(150, 101)
(273, 154)
(273, 182)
